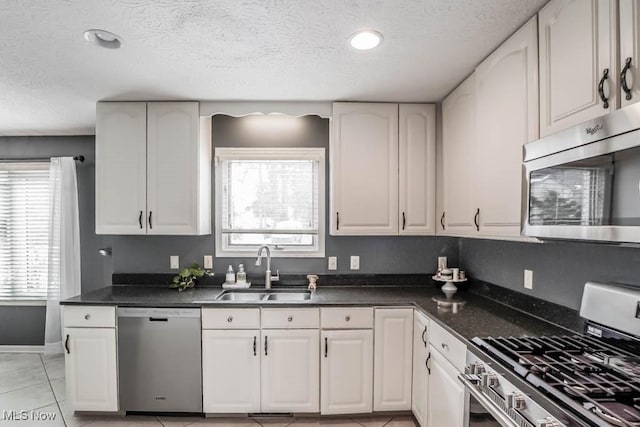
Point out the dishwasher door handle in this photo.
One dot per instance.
(158, 319)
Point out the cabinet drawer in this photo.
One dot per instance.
(449, 346)
(290, 318)
(230, 318)
(346, 318)
(83, 316)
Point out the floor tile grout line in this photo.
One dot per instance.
(55, 398)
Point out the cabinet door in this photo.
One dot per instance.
(290, 370)
(577, 44)
(507, 118)
(459, 161)
(364, 169)
(630, 49)
(173, 167)
(231, 371)
(420, 383)
(90, 366)
(347, 372)
(392, 359)
(121, 168)
(417, 168)
(446, 393)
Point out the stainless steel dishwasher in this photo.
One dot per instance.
(160, 359)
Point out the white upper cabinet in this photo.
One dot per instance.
(121, 167)
(417, 168)
(629, 51)
(506, 118)
(578, 41)
(153, 168)
(392, 359)
(460, 163)
(176, 160)
(364, 169)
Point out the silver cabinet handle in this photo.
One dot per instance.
(230, 319)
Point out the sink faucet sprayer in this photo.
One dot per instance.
(268, 278)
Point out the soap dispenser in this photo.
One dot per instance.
(241, 277)
(231, 275)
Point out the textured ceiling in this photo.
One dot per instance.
(50, 77)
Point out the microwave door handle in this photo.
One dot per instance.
(487, 404)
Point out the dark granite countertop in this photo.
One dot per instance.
(480, 316)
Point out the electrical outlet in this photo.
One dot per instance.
(208, 262)
(174, 260)
(355, 262)
(528, 279)
(332, 264)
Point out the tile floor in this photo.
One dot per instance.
(35, 384)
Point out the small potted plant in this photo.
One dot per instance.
(188, 277)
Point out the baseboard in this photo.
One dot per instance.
(21, 349)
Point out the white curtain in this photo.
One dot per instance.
(64, 246)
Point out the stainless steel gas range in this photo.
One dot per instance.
(594, 377)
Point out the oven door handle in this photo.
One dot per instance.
(487, 404)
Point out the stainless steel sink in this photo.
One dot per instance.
(289, 296)
(241, 296)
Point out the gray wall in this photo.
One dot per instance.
(150, 254)
(560, 269)
(21, 325)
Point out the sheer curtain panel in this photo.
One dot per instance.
(64, 246)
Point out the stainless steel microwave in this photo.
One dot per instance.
(583, 183)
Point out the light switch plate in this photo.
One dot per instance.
(528, 279)
(174, 260)
(208, 261)
(332, 263)
(355, 262)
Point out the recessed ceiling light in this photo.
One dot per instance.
(363, 40)
(103, 38)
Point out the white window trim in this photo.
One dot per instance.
(290, 153)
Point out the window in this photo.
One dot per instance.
(270, 196)
(24, 231)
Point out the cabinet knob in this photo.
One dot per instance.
(230, 319)
(87, 316)
(290, 318)
(445, 346)
(347, 318)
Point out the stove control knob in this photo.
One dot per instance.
(548, 422)
(490, 380)
(516, 401)
(478, 368)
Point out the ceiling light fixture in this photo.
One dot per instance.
(364, 40)
(103, 38)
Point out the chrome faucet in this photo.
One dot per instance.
(268, 278)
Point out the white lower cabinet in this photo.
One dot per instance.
(290, 370)
(91, 368)
(346, 371)
(420, 383)
(447, 397)
(230, 371)
(392, 359)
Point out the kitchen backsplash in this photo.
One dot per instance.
(560, 269)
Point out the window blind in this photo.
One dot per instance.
(270, 201)
(24, 231)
